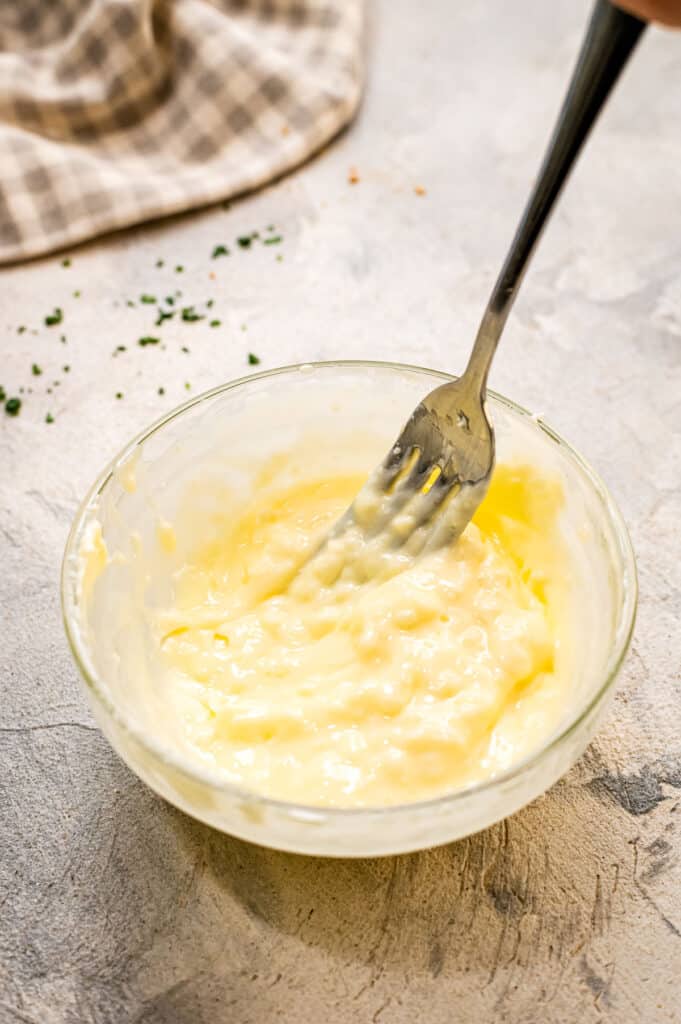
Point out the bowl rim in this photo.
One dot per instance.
(195, 773)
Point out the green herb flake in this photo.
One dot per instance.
(275, 240)
(66, 369)
(49, 418)
(253, 360)
(148, 340)
(244, 241)
(130, 303)
(184, 349)
(148, 300)
(12, 406)
(209, 303)
(190, 316)
(164, 315)
(219, 250)
(179, 269)
(270, 227)
(76, 295)
(3, 394)
(279, 257)
(169, 300)
(54, 318)
(187, 386)
(62, 338)
(36, 370)
(66, 263)
(160, 263)
(216, 323)
(119, 394)
(161, 391)
(20, 330)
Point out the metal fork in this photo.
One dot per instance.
(428, 487)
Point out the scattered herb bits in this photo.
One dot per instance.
(49, 418)
(21, 329)
(36, 370)
(148, 300)
(66, 263)
(216, 323)
(12, 406)
(253, 360)
(119, 394)
(274, 240)
(148, 340)
(3, 394)
(219, 250)
(54, 318)
(164, 315)
(244, 241)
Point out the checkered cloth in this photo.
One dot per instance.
(117, 111)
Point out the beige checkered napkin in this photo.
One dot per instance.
(117, 111)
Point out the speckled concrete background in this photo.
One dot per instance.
(116, 908)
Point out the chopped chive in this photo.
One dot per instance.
(66, 369)
(161, 391)
(244, 241)
(184, 349)
(148, 340)
(164, 315)
(189, 315)
(179, 269)
(49, 418)
(253, 360)
(36, 370)
(209, 303)
(12, 406)
(275, 240)
(219, 250)
(3, 394)
(216, 323)
(20, 330)
(54, 318)
(119, 394)
(148, 300)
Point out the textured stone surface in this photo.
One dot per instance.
(116, 908)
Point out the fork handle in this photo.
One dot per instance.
(610, 39)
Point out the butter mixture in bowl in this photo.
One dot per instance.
(370, 718)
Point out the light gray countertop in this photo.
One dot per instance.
(116, 908)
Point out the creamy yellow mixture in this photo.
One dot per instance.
(444, 673)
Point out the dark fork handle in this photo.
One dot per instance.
(609, 41)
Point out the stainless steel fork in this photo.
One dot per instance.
(428, 487)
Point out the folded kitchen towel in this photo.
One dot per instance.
(117, 111)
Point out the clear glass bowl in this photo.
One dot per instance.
(267, 411)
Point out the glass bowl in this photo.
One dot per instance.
(264, 414)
